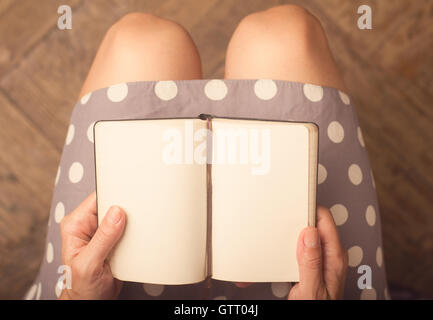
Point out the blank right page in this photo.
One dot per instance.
(261, 198)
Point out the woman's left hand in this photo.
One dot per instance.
(322, 261)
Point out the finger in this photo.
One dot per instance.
(84, 217)
(87, 207)
(106, 236)
(309, 255)
(329, 238)
(243, 284)
(293, 293)
(334, 255)
(80, 225)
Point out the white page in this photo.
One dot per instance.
(257, 218)
(165, 237)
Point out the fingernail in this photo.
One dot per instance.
(311, 238)
(114, 215)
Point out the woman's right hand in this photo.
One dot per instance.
(85, 248)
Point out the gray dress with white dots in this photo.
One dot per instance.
(345, 180)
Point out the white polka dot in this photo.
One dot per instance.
(335, 132)
(344, 97)
(321, 174)
(166, 90)
(30, 295)
(50, 252)
(379, 256)
(339, 213)
(360, 137)
(265, 89)
(355, 256)
(153, 290)
(59, 212)
(38, 294)
(312, 92)
(372, 179)
(370, 215)
(90, 132)
(59, 288)
(215, 89)
(70, 134)
(57, 176)
(85, 98)
(280, 289)
(117, 92)
(76, 172)
(386, 293)
(220, 298)
(368, 294)
(355, 174)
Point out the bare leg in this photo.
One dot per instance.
(282, 43)
(143, 47)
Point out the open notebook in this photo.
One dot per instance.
(207, 197)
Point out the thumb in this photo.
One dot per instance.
(310, 263)
(106, 236)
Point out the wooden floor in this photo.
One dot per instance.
(388, 71)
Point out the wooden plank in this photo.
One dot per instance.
(4, 5)
(385, 18)
(54, 75)
(25, 23)
(28, 164)
(30, 157)
(400, 41)
(407, 51)
(23, 225)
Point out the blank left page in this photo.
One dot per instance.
(165, 201)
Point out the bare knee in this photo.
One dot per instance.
(137, 30)
(283, 28)
(143, 47)
(285, 42)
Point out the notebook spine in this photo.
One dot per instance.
(205, 116)
(209, 195)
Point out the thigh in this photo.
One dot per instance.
(142, 47)
(282, 43)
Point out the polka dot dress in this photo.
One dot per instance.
(345, 181)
